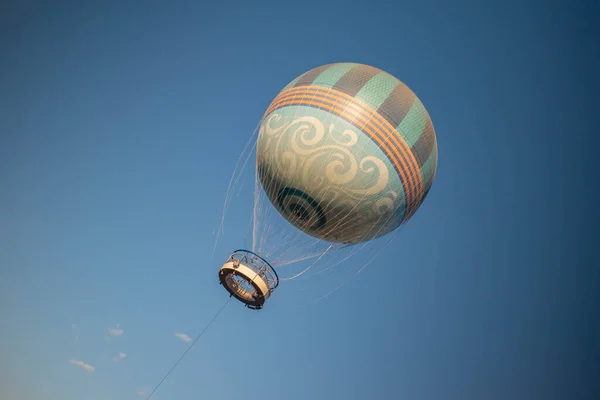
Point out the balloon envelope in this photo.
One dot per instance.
(346, 153)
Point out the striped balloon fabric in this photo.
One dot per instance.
(346, 152)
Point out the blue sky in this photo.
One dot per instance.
(120, 127)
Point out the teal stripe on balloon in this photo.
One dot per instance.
(377, 90)
(331, 75)
(413, 123)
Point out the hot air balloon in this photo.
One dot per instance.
(345, 154)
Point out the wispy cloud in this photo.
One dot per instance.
(184, 337)
(115, 331)
(142, 392)
(83, 365)
(120, 356)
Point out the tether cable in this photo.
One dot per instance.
(189, 348)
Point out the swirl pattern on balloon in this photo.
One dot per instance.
(351, 185)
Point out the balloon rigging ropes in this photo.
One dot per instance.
(189, 348)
